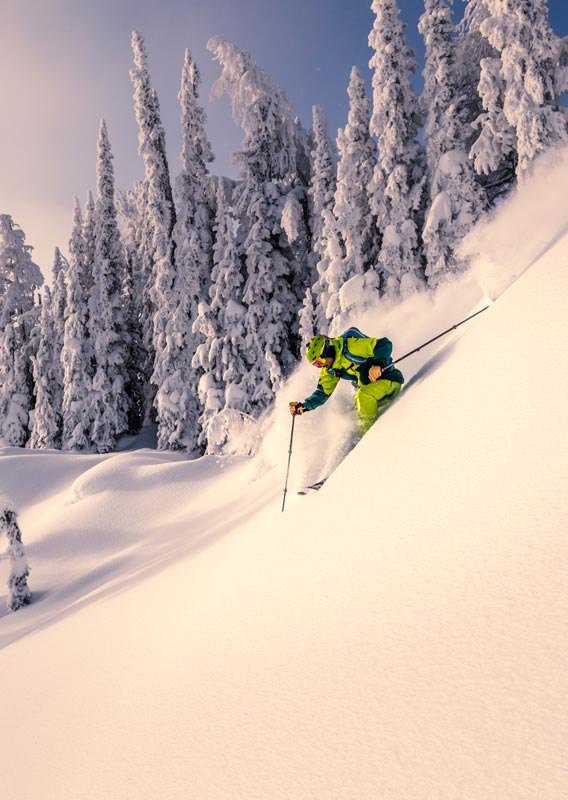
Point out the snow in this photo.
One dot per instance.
(400, 634)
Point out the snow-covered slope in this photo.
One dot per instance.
(401, 634)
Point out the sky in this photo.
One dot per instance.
(66, 64)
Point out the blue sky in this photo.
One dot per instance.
(66, 65)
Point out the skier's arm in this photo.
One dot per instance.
(379, 355)
(382, 352)
(324, 390)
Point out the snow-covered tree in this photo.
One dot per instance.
(521, 87)
(457, 203)
(19, 276)
(15, 388)
(222, 324)
(205, 362)
(177, 400)
(456, 199)
(495, 143)
(271, 305)
(444, 125)
(76, 354)
(322, 192)
(494, 153)
(261, 107)
(358, 158)
(270, 170)
(331, 271)
(89, 246)
(58, 313)
(107, 314)
(292, 219)
(324, 179)
(59, 294)
(192, 233)
(297, 219)
(355, 224)
(131, 208)
(310, 315)
(397, 186)
(158, 215)
(152, 147)
(19, 593)
(46, 428)
(295, 243)
(19, 280)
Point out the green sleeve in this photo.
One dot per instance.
(323, 392)
(377, 351)
(382, 352)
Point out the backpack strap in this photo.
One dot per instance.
(353, 333)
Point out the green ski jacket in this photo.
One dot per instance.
(376, 351)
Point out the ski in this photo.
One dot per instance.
(313, 486)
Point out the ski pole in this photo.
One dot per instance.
(289, 459)
(439, 336)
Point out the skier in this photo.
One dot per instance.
(365, 361)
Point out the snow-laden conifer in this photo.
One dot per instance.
(331, 271)
(456, 199)
(159, 214)
(310, 315)
(324, 179)
(89, 246)
(492, 141)
(76, 355)
(355, 222)
(322, 192)
(357, 161)
(107, 314)
(175, 402)
(292, 219)
(444, 126)
(397, 186)
(271, 305)
(131, 209)
(46, 428)
(261, 107)
(19, 593)
(221, 322)
(192, 233)
(15, 387)
(59, 314)
(295, 244)
(19, 277)
(297, 219)
(457, 203)
(177, 399)
(270, 170)
(152, 147)
(59, 294)
(522, 86)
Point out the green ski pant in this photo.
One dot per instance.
(373, 399)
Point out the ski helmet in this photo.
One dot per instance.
(315, 348)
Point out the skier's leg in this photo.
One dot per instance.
(373, 399)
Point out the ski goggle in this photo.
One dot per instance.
(319, 362)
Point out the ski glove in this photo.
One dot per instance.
(296, 408)
(375, 373)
